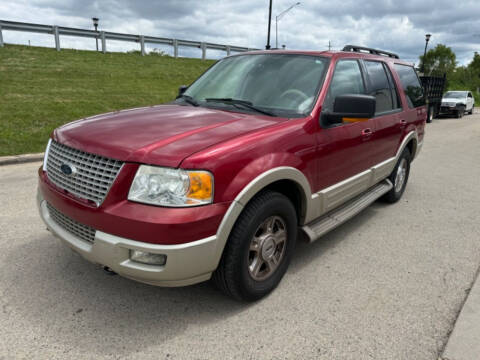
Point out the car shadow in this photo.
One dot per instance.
(77, 305)
(452, 116)
(305, 252)
(67, 300)
(445, 117)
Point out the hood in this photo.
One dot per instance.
(160, 135)
(454, 100)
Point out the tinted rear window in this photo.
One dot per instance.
(379, 86)
(411, 85)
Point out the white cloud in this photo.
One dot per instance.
(391, 25)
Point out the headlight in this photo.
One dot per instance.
(171, 187)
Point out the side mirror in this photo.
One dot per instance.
(351, 108)
(181, 90)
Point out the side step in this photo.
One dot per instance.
(336, 217)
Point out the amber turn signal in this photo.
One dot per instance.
(201, 185)
(353, 120)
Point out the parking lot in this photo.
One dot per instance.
(388, 284)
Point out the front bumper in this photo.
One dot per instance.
(450, 109)
(186, 263)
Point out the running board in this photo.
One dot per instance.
(336, 217)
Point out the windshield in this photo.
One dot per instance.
(279, 84)
(455, 95)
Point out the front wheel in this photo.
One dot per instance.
(399, 178)
(259, 248)
(460, 113)
(471, 110)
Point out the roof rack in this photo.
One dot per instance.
(363, 49)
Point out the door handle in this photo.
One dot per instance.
(403, 122)
(367, 132)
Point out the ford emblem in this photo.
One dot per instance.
(68, 169)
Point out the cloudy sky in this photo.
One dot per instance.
(396, 25)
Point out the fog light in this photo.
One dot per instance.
(147, 258)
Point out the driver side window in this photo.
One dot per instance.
(347, 79)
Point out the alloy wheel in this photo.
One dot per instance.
(401, 175)
(267, 248)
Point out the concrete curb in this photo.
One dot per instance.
(20, 159)
(464, 343)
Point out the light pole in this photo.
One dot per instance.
(269, 25)
(95, 24)
(278, 17)
(427, 39)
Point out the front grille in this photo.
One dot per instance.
(447, 104)
(93, 174)
(81, 231)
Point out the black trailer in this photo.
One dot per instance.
(433, 87)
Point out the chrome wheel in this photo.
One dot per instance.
(267, 248)
(401, 175)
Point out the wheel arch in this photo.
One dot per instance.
(410, 142)
(287, 180)
(412, 147)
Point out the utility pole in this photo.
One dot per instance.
(269, 24)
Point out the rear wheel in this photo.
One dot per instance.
(259, 248)
(399, 178)
(471, 110)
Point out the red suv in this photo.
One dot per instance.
(262, 148)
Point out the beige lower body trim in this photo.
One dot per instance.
(339, 193)
(186, 263)
(342, 213)
(383, 170)
(336, 195)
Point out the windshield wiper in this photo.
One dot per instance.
(244, 103)
(189, 99)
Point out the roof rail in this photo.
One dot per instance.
(356, 48)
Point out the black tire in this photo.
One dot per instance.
(233, 275)
(471, 110)
(460, 113)
(396, 192)
(430, 114)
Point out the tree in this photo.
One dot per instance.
(475, 64)
(460, 79)
(474, 68)
(440, 60)
(467, 78)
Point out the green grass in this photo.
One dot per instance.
(41, 89)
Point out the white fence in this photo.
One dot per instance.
(103, 36)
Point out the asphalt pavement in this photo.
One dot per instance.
(388, 284)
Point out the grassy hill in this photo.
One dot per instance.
(41, 88)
